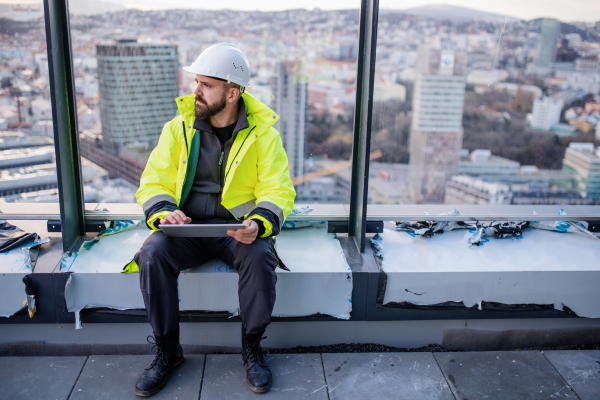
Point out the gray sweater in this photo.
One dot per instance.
(204, 200)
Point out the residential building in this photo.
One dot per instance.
(138, 84)
(436, 131)
(586, 81)
(545, 113)
(291, 91)
(587, 64)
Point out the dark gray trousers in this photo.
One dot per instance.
(161, 258)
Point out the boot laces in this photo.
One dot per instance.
(253, 353)
(161, 353)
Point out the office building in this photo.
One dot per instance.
(290, 102)
(436, 130)
(583, 163)
(549, 40)
(138, 85)
(482, 162)
(464, 189)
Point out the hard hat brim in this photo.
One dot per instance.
(191, 70)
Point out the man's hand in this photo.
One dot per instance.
(248, 235)
(177, 217)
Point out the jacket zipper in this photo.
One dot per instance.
(187, 162)
(220, 176)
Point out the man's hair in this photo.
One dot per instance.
(231, 85)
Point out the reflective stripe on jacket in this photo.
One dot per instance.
(256, 174)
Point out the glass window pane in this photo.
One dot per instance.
(475, 107)
(27, 159)
(128, 66)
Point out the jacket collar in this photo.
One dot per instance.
(257, 113)
(242, 121)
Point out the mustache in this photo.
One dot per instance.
(201, 100)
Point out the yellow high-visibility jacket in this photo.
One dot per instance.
(256, 173)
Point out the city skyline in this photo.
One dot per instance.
(578, 10)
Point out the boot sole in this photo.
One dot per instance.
(148, 393)
(258, 389)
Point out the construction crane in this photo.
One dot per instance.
(331, 170)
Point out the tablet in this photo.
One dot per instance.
(199, 230)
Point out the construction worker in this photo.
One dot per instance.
(220, 161)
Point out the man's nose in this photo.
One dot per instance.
(198, 91)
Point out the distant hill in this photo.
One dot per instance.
(444, 11)
(90, 7)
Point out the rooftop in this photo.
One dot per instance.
(500, 375)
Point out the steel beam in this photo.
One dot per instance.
(361, 145)
(64, 116)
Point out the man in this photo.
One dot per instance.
(220, 161)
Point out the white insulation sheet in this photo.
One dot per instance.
(320, 280)
(14, 265)
(541, 267)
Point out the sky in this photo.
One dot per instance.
(565, 10)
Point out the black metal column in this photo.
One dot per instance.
(361, 146)
(64, 115)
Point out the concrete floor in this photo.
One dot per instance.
(570, 374)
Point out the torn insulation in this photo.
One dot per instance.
(432, 228)
(497, 229)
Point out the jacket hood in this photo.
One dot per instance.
(258, 113)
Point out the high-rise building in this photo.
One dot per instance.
(436, 130)
(291, 90)
(545, 113)
(549, 40)
(138, 85)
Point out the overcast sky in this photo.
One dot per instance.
(565, 10)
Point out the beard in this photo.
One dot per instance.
(205, 111)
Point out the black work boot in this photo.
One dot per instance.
(258, 374)
(169, 356)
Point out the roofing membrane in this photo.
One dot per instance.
(319, 280)
(539, 267)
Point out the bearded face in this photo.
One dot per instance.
(205, 110)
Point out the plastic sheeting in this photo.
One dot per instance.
(14, 265)
(539, 267)
(320, 280)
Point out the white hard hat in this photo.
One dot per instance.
(222, 61)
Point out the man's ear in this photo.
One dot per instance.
(234, 94)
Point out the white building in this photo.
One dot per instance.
(326, 95)
(584, 163)
(545, 113)
(589, 82)
(389, 91)
(290, 102)
(513, 88)
(482, 162)
(23, 10)
(463, 189)
(481, 77)
(436, 131)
